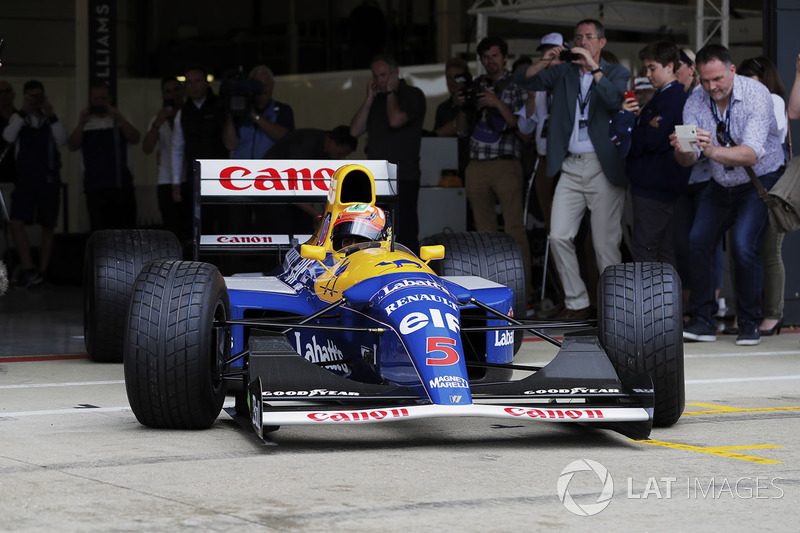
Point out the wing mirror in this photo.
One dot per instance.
(428, 253)
(317, 253)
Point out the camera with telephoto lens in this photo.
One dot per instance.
(566, 56)
(238, 95)
(469, 90)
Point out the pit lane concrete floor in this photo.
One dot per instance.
(74, 458)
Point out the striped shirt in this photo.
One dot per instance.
(491, 137)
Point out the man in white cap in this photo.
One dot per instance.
(533, 118)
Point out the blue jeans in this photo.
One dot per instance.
(685, 210)
(720, 208)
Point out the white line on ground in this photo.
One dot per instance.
(739, 380)
(78, 410)
(67, 384)
(738, 354)
(65, 411)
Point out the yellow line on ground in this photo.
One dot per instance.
(725, 409)
(747, 447)
(713, 406)
(718, 450)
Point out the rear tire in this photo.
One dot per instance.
(174, 354)
(494, 256)
(112, 260)
(641, 328)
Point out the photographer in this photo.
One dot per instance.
(103, 135)
(456, 73)
(494, 172)
(36, 133)
(587, 93)
(534, 118)
(174, 213)
(736, 128)
(256, 121)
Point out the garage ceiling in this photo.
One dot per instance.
(623, 15)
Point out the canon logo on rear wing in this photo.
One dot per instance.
(282, 178)
(271, 179)
(237, 239)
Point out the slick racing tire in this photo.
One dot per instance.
(176, 345)
(494, 256)
(112, 260)
(641, 328)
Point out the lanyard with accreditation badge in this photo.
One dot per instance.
(727, 122)
(583, 102)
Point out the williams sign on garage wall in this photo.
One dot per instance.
(103, 44)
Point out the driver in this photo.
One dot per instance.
(360, 223)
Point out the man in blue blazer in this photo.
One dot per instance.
(587, 93)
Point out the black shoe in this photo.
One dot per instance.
(731, 330)
(774, 330)
(749, 335)
(699, 330)
(26, 278)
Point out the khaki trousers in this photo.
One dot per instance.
(582, 186)
(499, 181)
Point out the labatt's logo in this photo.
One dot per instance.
(505, 338)
(270, 179)
(404, 284)
(320, 353)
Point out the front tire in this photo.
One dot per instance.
(641, 328)
(175, 345)
(494, 256)
(112, 260)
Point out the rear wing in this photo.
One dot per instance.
(241, 184)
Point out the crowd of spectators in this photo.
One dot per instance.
(192, 123)
(572, 121)
(600, 147)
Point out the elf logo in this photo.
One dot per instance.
(417, 320)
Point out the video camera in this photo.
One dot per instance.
(238, 94)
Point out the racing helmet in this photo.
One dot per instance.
(360, 223)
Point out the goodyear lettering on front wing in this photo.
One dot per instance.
(429, 323)
(573, 390)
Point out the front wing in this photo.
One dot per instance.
(578, 385)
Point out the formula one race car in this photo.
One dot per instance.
(355, 328)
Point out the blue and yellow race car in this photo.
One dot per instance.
(355, 328)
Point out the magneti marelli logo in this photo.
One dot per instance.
(604, 482)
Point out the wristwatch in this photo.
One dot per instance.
(598, 69)
(256, 118)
